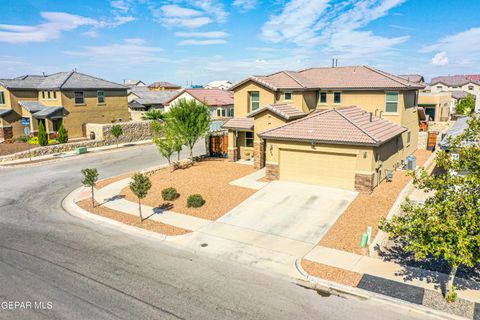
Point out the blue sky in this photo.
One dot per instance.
(199, 41)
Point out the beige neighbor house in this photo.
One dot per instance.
(220, 101)
(69, 98)
(163, 85)
(343, 127)
(436, 105)
(459, 85)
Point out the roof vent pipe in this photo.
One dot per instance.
(371, 116)
(376, 112)
(381, 114)
(333, 62)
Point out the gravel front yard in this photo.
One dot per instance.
(323, 271)
(209, 178)
(125, 218)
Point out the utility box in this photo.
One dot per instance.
(81, 150)
(411, 162)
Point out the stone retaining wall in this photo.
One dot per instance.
(132, 131)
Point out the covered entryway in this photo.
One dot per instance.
(320, 168)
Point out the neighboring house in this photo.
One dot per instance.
(219, 101)
(437, 106)
(343, 127)
(163, 85)
(221, 84)
(71, 98)
(467, 83)
(141, 99)
(413, 78)
(134, 83)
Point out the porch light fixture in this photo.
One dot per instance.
(313, 143)
(271, 149)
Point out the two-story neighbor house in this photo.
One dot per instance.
(71, 98)
(342, 127)
(458, 85)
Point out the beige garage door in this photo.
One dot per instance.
(327, 169)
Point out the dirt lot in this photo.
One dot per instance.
(367, 210)
(208, 178)
(9, 148)
(323, 271)
(155, 226)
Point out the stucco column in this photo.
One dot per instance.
(259, 154)
(232, 146)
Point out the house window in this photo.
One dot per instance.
(439, 87)
(409, 136)
(48, 95)
(43, 94)
(219, 112)
(287, 96)
(2, 97)
(254, 100)
(224, 112)
(337, 97)
(249, 139)
(54, 94)
(79, 97)
(323, 97)
(470, 88)
(101, 96)
(391, 102)
(230, 112)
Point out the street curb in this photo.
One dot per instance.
(340, 289)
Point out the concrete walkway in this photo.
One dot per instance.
(109, 197)
(250, 181)
(466, 289)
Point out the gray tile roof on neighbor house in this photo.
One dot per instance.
(283, 110)
(459, 94)
(41, 111)
(149, 97)
(457, 129)
(239, 124)
(61, 80)
(452, 81)
(164, 84)
(354, 77)
(349, 125)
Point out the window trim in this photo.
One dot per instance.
(2, 98)
(250, 95)
(75, 98)
(98, 97)
(285, 97)
(252, 138)
(386, 94)
(320, 97)
(340, 92)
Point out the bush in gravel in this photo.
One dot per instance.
(195, 201)
(169, 194)
(62, 135)
(42, 135)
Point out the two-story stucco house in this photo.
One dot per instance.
(459, 85)
(69, 98)
(343, 127)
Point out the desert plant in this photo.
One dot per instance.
(140, 185)
(90, 178)
(168, 140)
(169, 194)
(466, 106)
(195, 201)
(62, 135)
(153, 114)
(116, 131)
(190, 121)
(42, 135)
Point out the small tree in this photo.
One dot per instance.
(116, 131)
(90, 178)
(153, 114)
(447, 225)
(62, 134)
(140, 185)
(167, 139)
(42, 134)
(466, 106)
(190, 121)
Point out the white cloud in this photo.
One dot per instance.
(207, 34)
(245, 4)
(174, 10)
(440, 59)
(196, 42)
(132, 51)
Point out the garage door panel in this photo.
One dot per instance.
(329, 169)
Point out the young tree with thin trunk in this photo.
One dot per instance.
(116, 131)
(447, 225)
(190, 120)
(140, 185)
(90, 178)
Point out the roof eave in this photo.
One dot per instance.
(266, 137)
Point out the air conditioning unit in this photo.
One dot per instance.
(411, 162)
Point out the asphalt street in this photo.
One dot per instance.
(69, 268)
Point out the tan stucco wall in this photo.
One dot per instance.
(114, 108)
(264, 121)
(241, 98)
(20, 95)
(50, 102)
(441, 101)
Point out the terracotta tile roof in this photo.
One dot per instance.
(350, 125)
(355, 77)
(211, 97)
(286, 111)
(474, 77)
(239, 124)
(452, 81)
(413, 77)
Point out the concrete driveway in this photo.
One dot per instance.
(271, 229)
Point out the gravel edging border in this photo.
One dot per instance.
(340, 289)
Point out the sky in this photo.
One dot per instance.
(197, 41)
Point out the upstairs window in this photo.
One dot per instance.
(219, 112)
(230, 112)
(287, 96)
(470, 88)
(79, 99)
(54, 93)
(254, 100)
(391, 102)
(43, 94)
(48, 95)
(2, 97)
(101, 96)
(323, 97)
(337, 97)
(439, 87)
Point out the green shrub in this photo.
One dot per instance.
(22, 139)
(195, 201)
(34, 140)
(62, 135)
(169, 194)
(42, 135)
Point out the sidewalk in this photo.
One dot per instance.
(391, 271)
(69, 154)
(250, 181)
